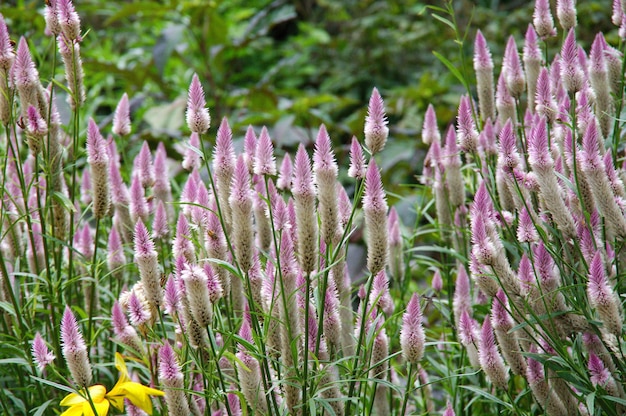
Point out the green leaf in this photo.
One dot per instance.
(488, 396)
(53, 384)
(444, 21)
(41, 409)
(451, 67)
(64, 200)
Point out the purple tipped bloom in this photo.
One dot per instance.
(42, 356)
(68, 20)
(325, 173)
(376, 130)
(115, 253)
(542, 19)
(509, 153)
(160, 226)
(137, 311)
(138, 206)
(412, 338)
(544, 99)
(358, 165)
(25, 75)
(483, 65)
(147, 262)
(566, 13)
(192, 159)
(449, 410)
(284, 176)
(264, 162)
(572, 75)
(36, 125)
(121, 118)
(171, 377)
(602, 297)
(430, 129)
(600, 375)
(375, 213)
(182, 245)
(74, 349)
(145, 169)
(249, 148)
(467, 134)
(7, 54)
(172, 296)
(198, 118)
(490, 359)
(526, 231)
(512, 68)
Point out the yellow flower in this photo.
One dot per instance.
(138, 394)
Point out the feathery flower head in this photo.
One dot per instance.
(542, 19)
(544, 100)
(138, 311)
(264, 161)
(412, 338)
(196, 287)
(489, 357)
(241, 193)
(449, 410)
(526, 231)
(374, 198)
(376, 130)
(198, 118)
(395, 237)
(303, 174)
(42, 356)
(36, 126)
(545, 266)
(169, 369)
(600, 375)
(591, 159)
(566, 14)
(285, 174)
(249, 147)
(24, 73)
(430, 129)
(160, 226)
(121, 117)
(482, 54)
(483, 248)
(171, 296)
(324, 163)
(224, 155)
(572, 75)
(358, 165)
(512, 67)
(450, 157)
(534, 370)
(437, 282)
(7, 54)
(467, 134)
(74, 349)
(467, 329)
(538, 152)
(531, 45)
(380, 295)
(50, 13)
(508, 146)
(138, 206)
(144, 247)
(68, 20)
(97, 152)
(145, 169)
(487, 138)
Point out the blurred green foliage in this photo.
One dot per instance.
(290, 65)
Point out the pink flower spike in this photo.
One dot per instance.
(284, 176)
(482, 54)
(600, 375)
(137, 313)
(542, 19)
(449, 410)
(566, 14)
(526, 231)
(160, 227)
(437, 282)
(121, 118)
(74, 349)
(538, 152)
(490, 359)
(249, 148)
(376, 130)
(591, 149)
(358, 165)
(138, 206)
(145, 167)
(169, 370)
(544, 100)
(303, 174)
(430, 129)
(198, 118)
(7, 54)
(264, 162)
(42, 356)
(172, 296)
(572, 75)
(53, 28)
(36, 125)
(531, 45)
(512, 67)
(412, 338)
(68, 20)
(224, 155)
(24, 73)
(467, 134)
(467, 329)
(375, 213)
(508, 146)
(324, 163)
(617, 15)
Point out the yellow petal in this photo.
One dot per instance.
(138, 395)
(96, 392)
(76, 410)
(121, 367)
